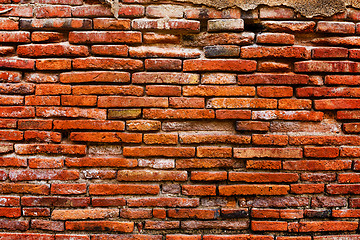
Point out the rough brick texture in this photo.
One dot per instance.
(177, 122)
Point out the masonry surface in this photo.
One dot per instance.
(177, 122)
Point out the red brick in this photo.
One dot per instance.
(163, 202)
(144, 175)
(209, 39)
(68, 189)
(335, 27)
(327, 91)
(42, 136)
(55, 226)
(27, 236)
(36, 212)
(70, 112)
(166, 139)
(263, 164)
(252, 126)
(163, 90)
(178, 114)
(108, 137)
(100, 162)
(55, 24)
(8, 24)
(342, 80)
(207, 138)
(10, 76)
(132, 101)
(324, 140)
(104, 37)
(135, 213)
(278, 79)
(307, 188)
(334, 104)
(52, 11)
(233, 114)
(183, 102)
(15, 37)
(241, 103)
(276, 38)
(277, 92)
(89, 124)
(50, 148)
(327, 226)
(277, 140)
(290, 26)
(120, 189)
(317, 165)
(183, 237)
(273, 67)
(52, 50)
(12, 162)
(91, 11)
(199, 190)
(230, 190)
(343, 189)
(262, 177)
(220, 152)
(136, 236)
(229, 225)
(222, 25)
(110, 50)
(268, 153)
(17, 63)
(275, 52)
(207, 91)
(330, 52)
(206, 163)
(269, 226)
(42, 100)
(6, 51)
(219, 65)
(35, 124)
(100, 76)
(54, 201)
(78, 100)
(152, 37)
(96, 213)
(147, 52)
(46, 163)
(111, 24)
(107, 63)
(111, 226)
(47, 37)
(208, 176)
(159, 151)
(327, 66)
(318, 177)
(174, 25)
(30, 175)
(209, 13)
(163, 64)
(321, 152)
(53, 64)
(36, 189)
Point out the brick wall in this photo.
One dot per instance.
(177, 122)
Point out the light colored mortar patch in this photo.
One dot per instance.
(307, 8)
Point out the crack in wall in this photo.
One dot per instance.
(307, 8)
